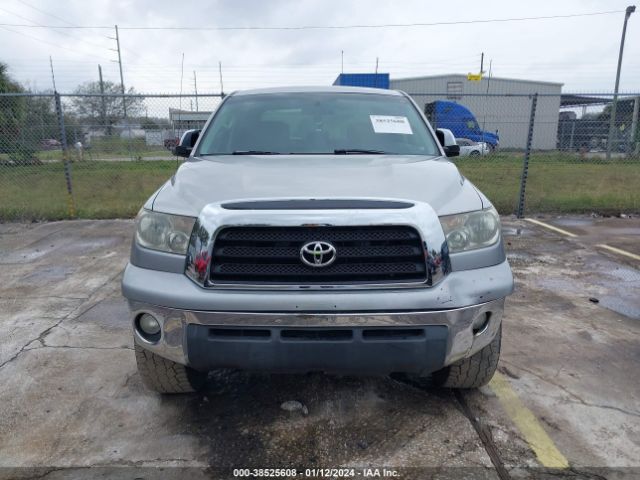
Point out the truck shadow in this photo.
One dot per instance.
(332, 420)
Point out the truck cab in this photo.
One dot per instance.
(460, 120)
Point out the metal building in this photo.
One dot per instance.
(182, 120)
(501, 104)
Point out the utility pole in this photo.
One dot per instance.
(612, 125)
(482, 63)
(53, 77)
(341, 61)
(221, 85)
(195, 87)
(181, 78)
(124, 98)
(375, 82)
(124, 102)
(103, 103)
(486, 98)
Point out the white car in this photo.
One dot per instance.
(471, 148)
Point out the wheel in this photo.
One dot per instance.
(475, 153)
(472, 372)
(165, 376)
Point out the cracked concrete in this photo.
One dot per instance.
(71, 396)
(575, 364)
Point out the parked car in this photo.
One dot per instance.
(50, 144)
(461, 121)
(317, 229)
(170, 143)
(472, 148)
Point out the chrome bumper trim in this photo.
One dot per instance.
(461, 342)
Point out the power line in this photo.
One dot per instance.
(74, 25)
(49, 43)
(47, 13)
(36, 24)
(326, 27)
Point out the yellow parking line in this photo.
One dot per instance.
(551, 227)
(542, 445)
(619, 251)
(569, 234)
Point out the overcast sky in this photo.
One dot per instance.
(579, 52)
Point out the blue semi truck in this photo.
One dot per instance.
(460, 120)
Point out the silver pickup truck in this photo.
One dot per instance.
(317, 229)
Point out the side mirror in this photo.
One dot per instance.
(188, 140)
(452, 150)
(448, 141)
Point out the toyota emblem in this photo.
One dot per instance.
(318, 254)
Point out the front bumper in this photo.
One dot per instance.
(417, 330)
(418, 342)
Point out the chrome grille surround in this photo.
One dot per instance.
(214, 217)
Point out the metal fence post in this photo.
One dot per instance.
(634, 141)
(527, 152)
(71, 204)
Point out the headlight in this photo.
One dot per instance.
(161, 231)
(468, 231)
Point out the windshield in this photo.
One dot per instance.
(317, 123)
(472, 124)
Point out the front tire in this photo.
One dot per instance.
(472, 372)
(165, 376)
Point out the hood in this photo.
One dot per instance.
(490, 137)
(201, 181)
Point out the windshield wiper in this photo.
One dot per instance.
(350, 151)
(254, 152)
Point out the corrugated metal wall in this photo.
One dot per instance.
(508, 115)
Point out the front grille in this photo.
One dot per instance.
(271, 255)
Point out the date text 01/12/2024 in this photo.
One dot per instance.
(316, 472)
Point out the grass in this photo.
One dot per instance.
(113, 189)
(97, 155)
(101, 189)
(557, 183)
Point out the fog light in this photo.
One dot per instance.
(481, 324)
(149, 325)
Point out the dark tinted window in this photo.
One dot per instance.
(317, 123)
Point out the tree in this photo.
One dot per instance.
(153, 123)
(16, 119)
(624, 121)
(12, 110)
(7, 84)
(107, 110)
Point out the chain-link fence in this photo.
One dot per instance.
(545, 152)
(90, 156)
(101, 156)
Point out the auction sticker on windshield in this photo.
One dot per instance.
(390, 124)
